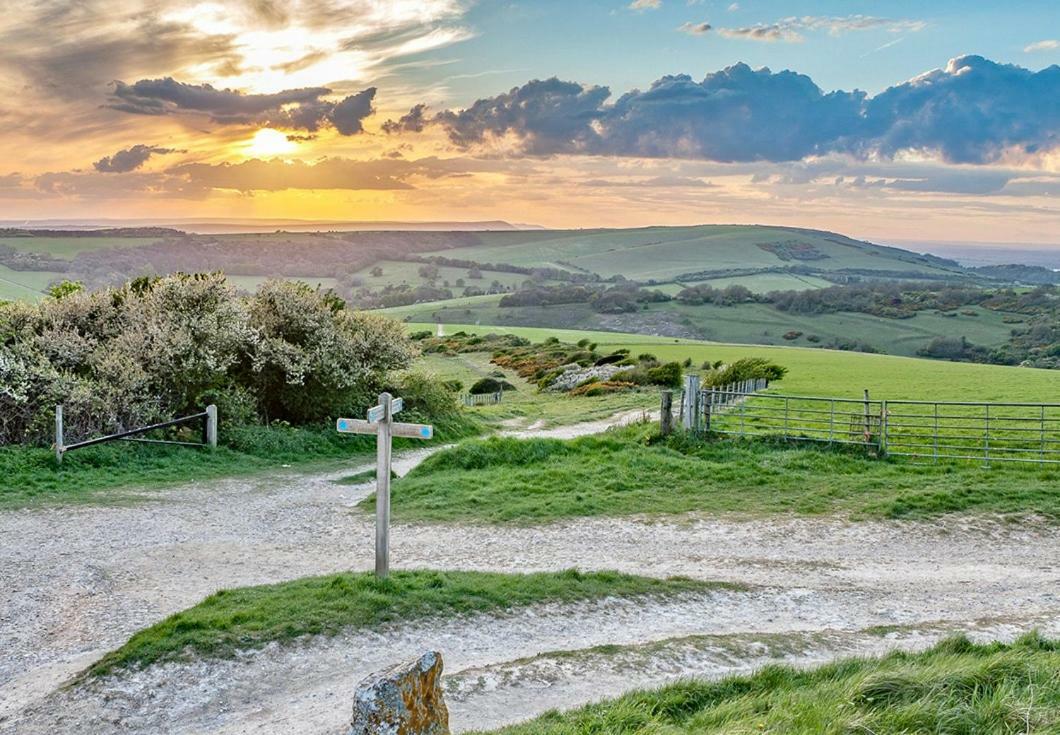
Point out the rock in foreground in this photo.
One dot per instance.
(405, 699)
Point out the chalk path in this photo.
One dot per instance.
(77, 581)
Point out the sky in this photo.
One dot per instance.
(932, 120)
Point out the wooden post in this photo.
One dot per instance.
(59, 433)
(382, 494)
(690, 403)
(666, 416)
(708, 406)
(211, 426)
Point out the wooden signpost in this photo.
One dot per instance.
(381, 423)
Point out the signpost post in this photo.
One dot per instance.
(381, 423)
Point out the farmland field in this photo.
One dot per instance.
(396, 272)
(661, 253)
(67, 247)
(827, 372)
(25, 285)
(743, 323)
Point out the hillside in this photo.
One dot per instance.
(469, 262)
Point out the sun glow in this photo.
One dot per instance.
(269, 142)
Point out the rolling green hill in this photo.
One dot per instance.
(665, 253)
(744, 323)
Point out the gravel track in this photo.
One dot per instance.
(77, 581)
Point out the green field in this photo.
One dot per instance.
(766, 282)
(250, 284)
(67, 247)
(742, 323)
(828, 372)
(397, 272)
(662, 253)
(25, 285)
(957, 687)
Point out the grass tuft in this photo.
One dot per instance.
(955, 687)
(251, 617)
(632, 471)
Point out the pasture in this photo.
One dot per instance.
(814, 371)
(662, 253)
(25, 285)
(742, 323)
(66, 248)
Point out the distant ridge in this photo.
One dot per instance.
(229, 225)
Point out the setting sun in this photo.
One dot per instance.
(269, 142)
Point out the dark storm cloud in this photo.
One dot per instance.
(130, 159)
(303, 109)
(969, 112)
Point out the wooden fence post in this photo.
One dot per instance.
(666, 416)
(690, 403)
(382, 494)
(211, 426)
(59, 433)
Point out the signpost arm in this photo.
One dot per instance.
(382, 491)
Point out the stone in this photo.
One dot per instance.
(405, 699)
(573, 375)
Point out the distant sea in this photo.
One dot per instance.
(989, 253)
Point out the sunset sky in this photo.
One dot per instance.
(935, 120)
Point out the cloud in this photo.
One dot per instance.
(645, 5)
(792, 30)
(411, 122)
(277, 175)
(549, 116)
(972, 111)
(1048, 45)
(130, 159)
(300, 109)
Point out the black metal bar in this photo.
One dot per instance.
(161, 441)
(133, 432)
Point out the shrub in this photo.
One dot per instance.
(746, 368)
(159, 347)
(793, 334)
(489, 385)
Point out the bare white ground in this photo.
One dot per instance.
(77, 581)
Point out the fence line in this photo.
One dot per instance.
(932, 430)
(481, 399)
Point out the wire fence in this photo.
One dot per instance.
(925, 430)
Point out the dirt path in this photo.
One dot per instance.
(75, 582)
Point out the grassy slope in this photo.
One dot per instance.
(662, 253)
(746, 323)
(68, 247)
(29, 475)
(956, 687)
(397, 272)
(828, 372)
(250, 617)
(25, 285)
(504, 480)
(526, 403)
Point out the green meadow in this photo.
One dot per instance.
(813, 371)
(67, 247)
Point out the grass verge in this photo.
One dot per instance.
(955, 687)
(29, 474)
(250, 617)
(631, 471)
